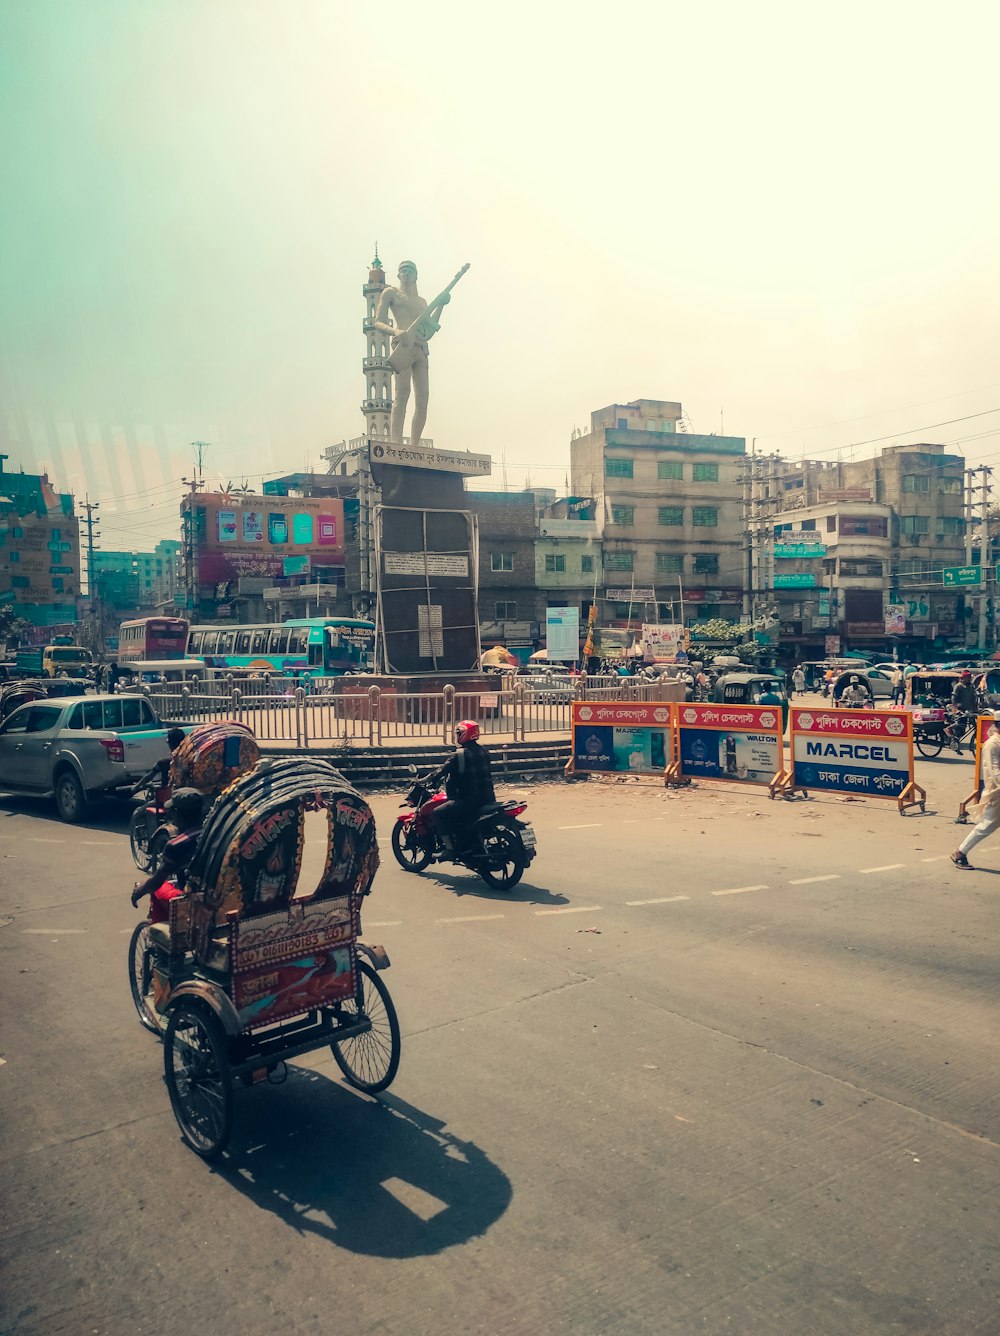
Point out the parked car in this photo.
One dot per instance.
(79, 748)
(546, 688)
(878, 684)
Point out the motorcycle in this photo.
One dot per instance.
(500, 847)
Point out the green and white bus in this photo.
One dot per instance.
(302, 647)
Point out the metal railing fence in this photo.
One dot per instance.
(376, 715)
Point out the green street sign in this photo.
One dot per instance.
(962, 575)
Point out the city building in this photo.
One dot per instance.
(568, 554)
(135, 580)
(889, 527)
(511, 606)
(670, 509)
(39, 550)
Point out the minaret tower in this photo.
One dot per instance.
(377, 406)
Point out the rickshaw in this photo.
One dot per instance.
(249, 973)
(928, 697)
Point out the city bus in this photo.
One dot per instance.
(303, 647)
(152, 638)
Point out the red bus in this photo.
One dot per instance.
(152, 638)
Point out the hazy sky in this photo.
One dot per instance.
(784, 215)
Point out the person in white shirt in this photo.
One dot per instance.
(987, 809)
(798, 681)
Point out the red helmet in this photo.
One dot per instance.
(466, 731)
(966, 676)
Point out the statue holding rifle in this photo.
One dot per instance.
(415, 323)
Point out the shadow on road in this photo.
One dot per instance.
(378, 1177)
(109, 815)
(523, 893)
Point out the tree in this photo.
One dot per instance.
(12, 627)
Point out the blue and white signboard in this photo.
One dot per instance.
(866, 752)
(562, 634)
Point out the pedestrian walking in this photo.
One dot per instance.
(898, 680)
(987, 809)
(798, 680)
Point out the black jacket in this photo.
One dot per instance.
(468, 776)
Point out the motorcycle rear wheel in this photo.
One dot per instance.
(411, 852)
(503, 848)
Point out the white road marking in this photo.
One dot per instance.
(936, 859)
(571, 909)
(587, 825)
(42, 839)
(885, 867)
(663, 900)
(738, 890)
(99, 844)
(471, 918)
(804, 881)
(51, 932)
(386, 923)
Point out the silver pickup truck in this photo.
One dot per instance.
(79, 748)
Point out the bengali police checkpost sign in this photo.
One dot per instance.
(738, 743)
(864, 752)
(631, 739)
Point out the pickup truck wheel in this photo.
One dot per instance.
(71, 801)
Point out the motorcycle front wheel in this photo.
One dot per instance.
(411, 852)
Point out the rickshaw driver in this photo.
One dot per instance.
(187, 807)
(160, 773)
(964, 708)
(468, 778)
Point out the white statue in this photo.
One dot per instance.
(415, 324)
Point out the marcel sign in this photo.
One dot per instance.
(853, 751)
(624, 739)
(739, 743)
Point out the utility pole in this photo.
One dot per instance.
(191, 543)
(96, 611)
(199, 448)
(984, 548)
(970, 475)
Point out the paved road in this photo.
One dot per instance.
(723, 1065)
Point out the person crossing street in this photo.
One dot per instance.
(987, 809)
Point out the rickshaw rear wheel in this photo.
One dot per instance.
(140, 975)
(196, 1069)
(369, 1061)
(930, 746)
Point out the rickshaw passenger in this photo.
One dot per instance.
(166, 883)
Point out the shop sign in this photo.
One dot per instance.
(895, 619)
(795, 580)
(643, 594)
(740, 744)
(800, 550)
(853, 751)
(616, 738)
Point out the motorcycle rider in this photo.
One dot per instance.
(964, 706)
(854, 696)
(468, 783)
